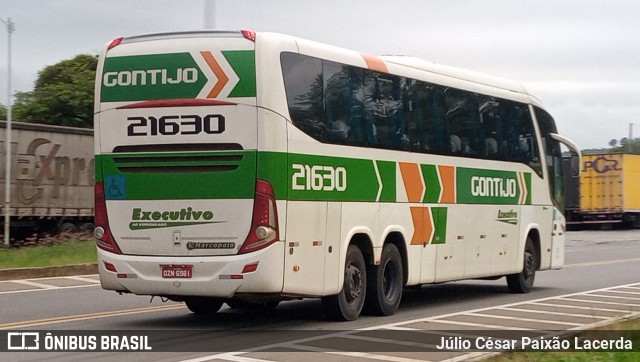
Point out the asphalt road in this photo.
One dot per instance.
(595, 261)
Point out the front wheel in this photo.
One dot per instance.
(347, 305)
(523, 282)
(204, 305)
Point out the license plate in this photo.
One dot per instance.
(177, 271)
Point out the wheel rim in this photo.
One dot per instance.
(353, 286)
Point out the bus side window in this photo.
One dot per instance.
(343, 98)
(385, 104)
(463, 122)
(493, 127)
(304, 86)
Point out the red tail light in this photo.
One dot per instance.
(104, 238)
(249, 34)
(115, 42)
(264, 223)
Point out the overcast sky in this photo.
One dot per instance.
(580, 57)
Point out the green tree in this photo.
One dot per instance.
(62, 94)
(3, 112)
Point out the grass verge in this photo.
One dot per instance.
(632, 328)
(76, 251)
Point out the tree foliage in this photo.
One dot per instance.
(62, 94)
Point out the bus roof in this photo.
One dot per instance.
(398, 60)
(459, 73)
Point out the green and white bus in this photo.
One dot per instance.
(250, 168)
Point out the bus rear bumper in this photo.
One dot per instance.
(211, 276)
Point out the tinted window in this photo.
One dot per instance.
(553, 155)
(385, 105)
(343, 97)
(343, 104)
(304, 88)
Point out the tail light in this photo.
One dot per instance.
(249, 35)
(115, 42)
(104, 238)
(264, 223)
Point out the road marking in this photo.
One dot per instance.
(82, 317)
(578, 307)
(603, 262)
(40, 284)
(35, 284)
(555, 313)
(510, 318)
(83, 279)
(303, 344)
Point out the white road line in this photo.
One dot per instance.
(510, 318)
(471, 324)
(299, 344)
(230, 356)
(599, 301)
(608, 296)
(39, 286)
(378, 357)
(554, 313)
(49, 289)
(623, 292)
(34, 284)
(81, 279)
(579, 307)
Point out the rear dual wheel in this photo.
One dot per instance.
(347, 305)
(385, 281)
(379, 286)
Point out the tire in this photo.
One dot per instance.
(384, 283)
(88, 227)
(347, 305)
(523, 282)
(203, 305)
(67, 227)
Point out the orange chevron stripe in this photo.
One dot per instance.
(422, 225)
(523, 188)
(448, 181)
(217, 70)
(375, 63)
(412, 179)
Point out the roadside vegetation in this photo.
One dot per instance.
(62, 250)
(632, 331)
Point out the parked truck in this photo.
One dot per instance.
(52, 177)
(607, 192)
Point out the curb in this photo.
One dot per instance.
(52, 271)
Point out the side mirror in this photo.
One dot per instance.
(575, 164)
(576, 156)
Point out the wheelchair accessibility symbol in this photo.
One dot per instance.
(115, 188)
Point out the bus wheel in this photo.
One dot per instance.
(523, 282)
(203, 305)
(67, 227)
(347, 305)
(384, 288)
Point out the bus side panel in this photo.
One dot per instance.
(305, 259)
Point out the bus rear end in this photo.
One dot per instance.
(179, 210)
